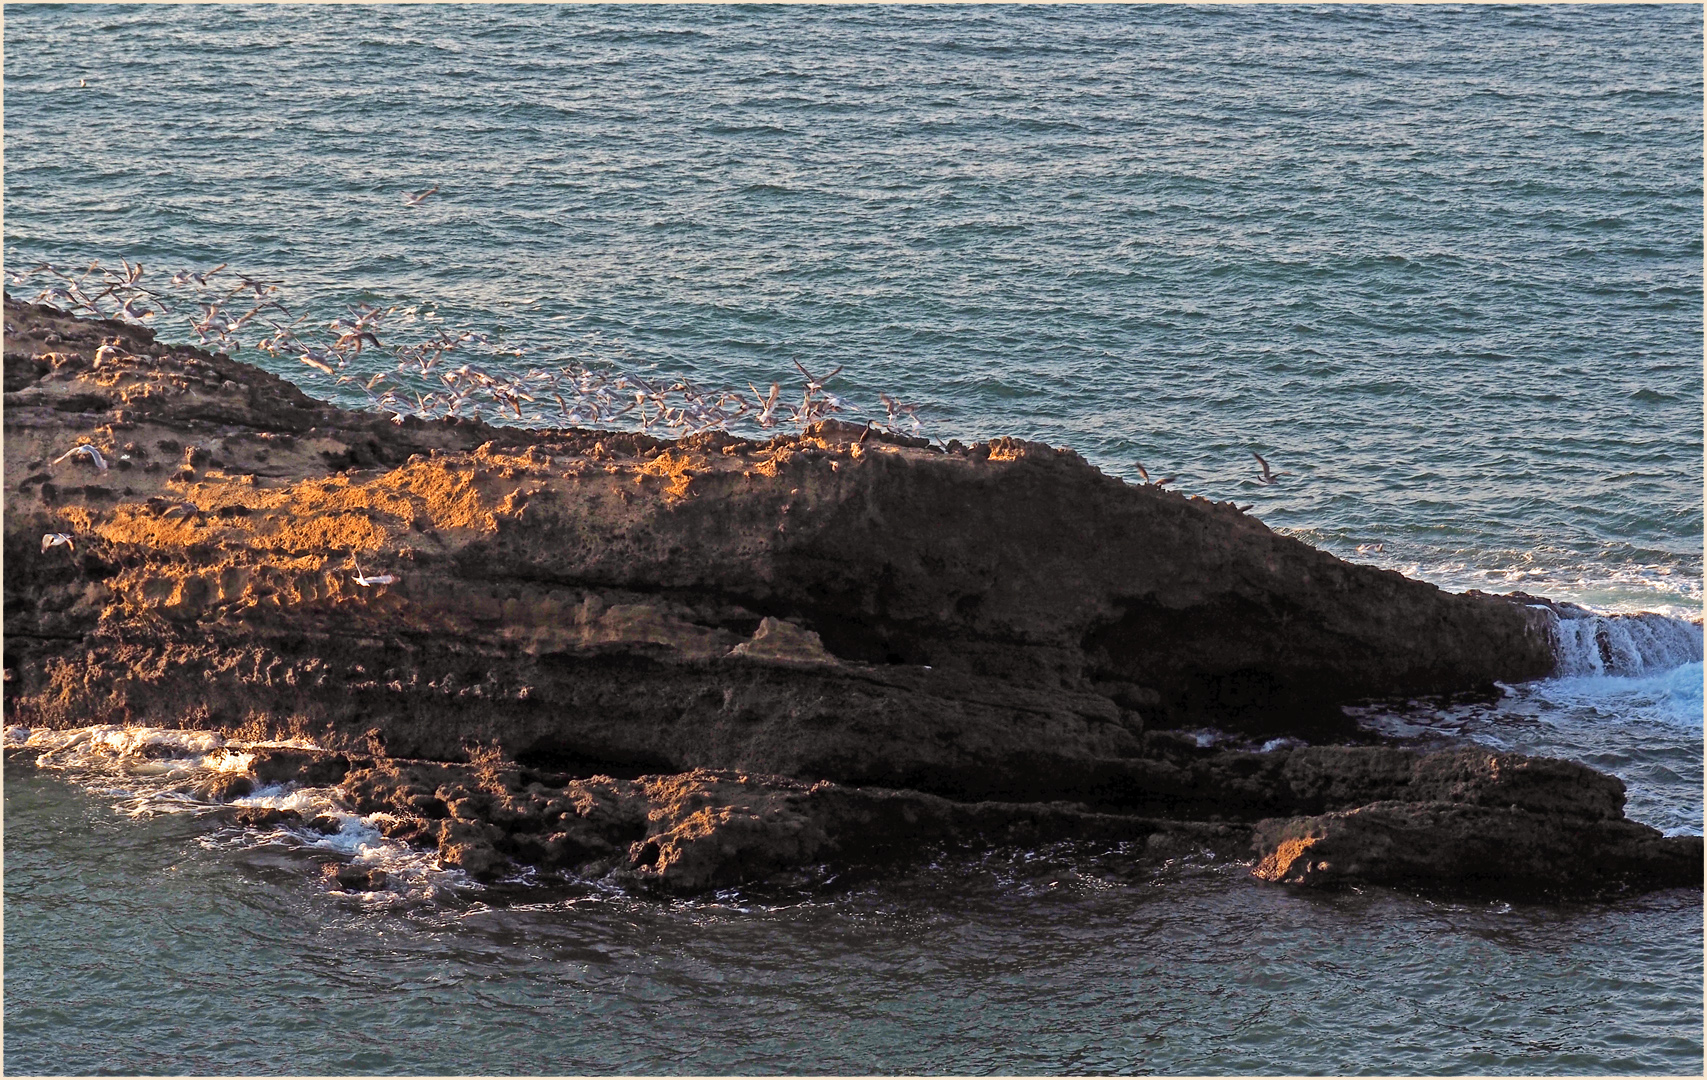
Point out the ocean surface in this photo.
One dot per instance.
(1441, 266)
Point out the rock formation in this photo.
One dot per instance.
(699, 661)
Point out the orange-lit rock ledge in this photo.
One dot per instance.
(788, 651)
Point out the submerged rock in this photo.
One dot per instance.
(361, 878)
(695, 662)
(263, 817)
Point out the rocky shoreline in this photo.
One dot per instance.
(699, 662)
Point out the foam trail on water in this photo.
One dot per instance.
(1671, 698)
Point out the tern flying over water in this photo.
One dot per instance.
(1267, 477)
(417, 198)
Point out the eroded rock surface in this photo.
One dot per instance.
(707, 827)
(716, 656)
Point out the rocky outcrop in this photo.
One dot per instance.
(1464, 819)
(708, 827)
(1498, 852)
(795, 631)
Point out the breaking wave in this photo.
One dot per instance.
(148, 771)
(1590, 643)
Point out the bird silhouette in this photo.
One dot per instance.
(1143, 472)
(1267, 476)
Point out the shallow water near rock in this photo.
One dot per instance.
(151, 947)
(1444, 267)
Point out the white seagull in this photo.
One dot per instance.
(53, 540)
(418, 197)
(376, 579)
(85, 450)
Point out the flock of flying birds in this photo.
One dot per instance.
(435, 377)
(425, 378)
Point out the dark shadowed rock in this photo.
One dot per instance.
(308, 768)
(263, 817)
(361, 878)
(708, 828)
(1479, 849)
(227, 786)
(325, 824)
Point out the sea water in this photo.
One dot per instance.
(1441, 266)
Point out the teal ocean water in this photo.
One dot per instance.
(1441, 265)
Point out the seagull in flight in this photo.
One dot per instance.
(317, 358)
(1267, 476)
(417, 198)
(187, 277)
(53, 540)
(85, 450)
(375, 579)
(1145, 473)
(767, 415)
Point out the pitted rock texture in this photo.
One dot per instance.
(707, 828)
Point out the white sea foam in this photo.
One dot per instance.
(1629, 588)
(106, 745)
(150, 771)
(1671, 697)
